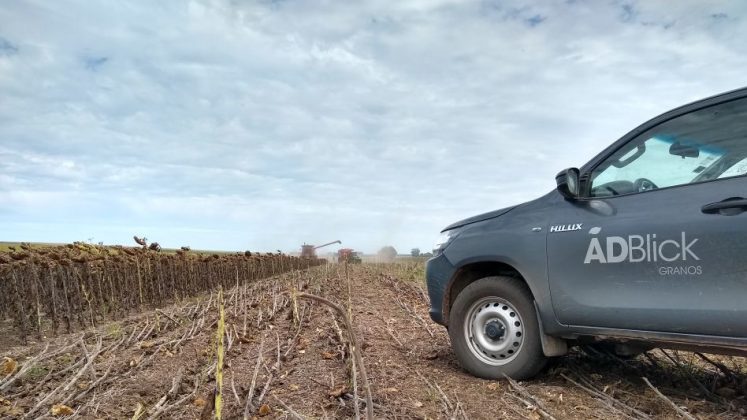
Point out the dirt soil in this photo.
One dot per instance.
(161, 363)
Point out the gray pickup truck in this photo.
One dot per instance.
(644, 246)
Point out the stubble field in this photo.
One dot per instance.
(285, 356)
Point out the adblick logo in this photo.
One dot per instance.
(638, 248)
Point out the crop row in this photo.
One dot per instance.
(77, 286)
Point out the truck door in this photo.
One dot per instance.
(659, 242)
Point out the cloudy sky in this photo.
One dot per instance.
(262, 125)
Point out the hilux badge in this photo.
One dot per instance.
(566, 228)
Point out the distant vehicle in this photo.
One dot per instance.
(645, 245)
(309, 251)
(348, 255)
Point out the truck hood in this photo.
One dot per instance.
(479, 218)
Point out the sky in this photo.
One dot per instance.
(262, 125)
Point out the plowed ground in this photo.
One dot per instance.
(161, 364)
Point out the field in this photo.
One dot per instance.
(287, 355)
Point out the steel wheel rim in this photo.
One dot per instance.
(494, 330)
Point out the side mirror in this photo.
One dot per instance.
(568, 184)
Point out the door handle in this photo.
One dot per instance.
(728, 207)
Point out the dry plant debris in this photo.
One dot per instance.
(295, 358)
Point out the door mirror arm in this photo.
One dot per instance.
(568, 183)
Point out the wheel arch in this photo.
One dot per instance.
(475, 270)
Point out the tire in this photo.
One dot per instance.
(494, 330)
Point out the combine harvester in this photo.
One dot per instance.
(309, 251)
(343, 255)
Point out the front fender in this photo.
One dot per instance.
(512, 247)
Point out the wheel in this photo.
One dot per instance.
(494, 330)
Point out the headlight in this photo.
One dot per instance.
(444, 240)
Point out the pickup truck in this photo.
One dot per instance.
(644, 246)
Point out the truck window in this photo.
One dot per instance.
(738, 169)
(703, 145)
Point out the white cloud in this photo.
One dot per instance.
(268, 124)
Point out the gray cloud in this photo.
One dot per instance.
(94, 63)
(266, 124)
(7, 48)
